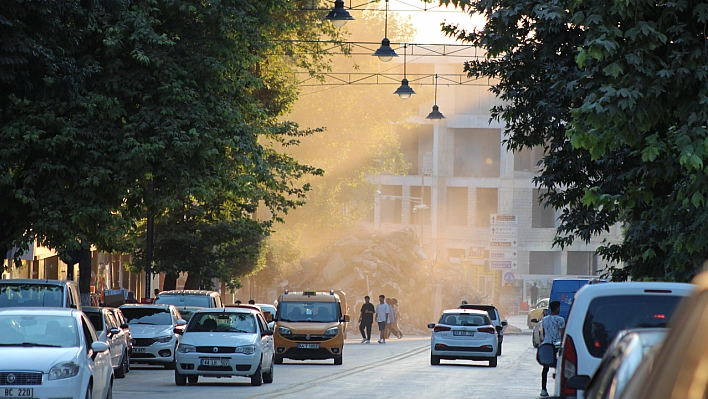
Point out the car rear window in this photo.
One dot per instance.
(464, 319)
(203, 301)
(606, 316)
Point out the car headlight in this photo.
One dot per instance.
(163, 339)
(284, 331)
(63, 370)
(246, 349)
(184, 348)
(332, 331)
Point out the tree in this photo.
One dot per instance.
(613, 93)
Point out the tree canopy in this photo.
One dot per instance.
(615, 94)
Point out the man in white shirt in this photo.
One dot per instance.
(383, 315)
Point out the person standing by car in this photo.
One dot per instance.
(366, 319)
(383, 313)
(534, 294)
(552, 332)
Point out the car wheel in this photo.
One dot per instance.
(499, 350)
(257, 377)
(268, 377)
(338, 361)
(533, 341)
(171, 365)
(192, 379)
(123, 368)
(493, 362)
(180, 380)
(434, 360)
(278, 359)
(109, 394)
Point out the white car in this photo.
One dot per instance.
(464, 334)
(600, 312)
(52, 353)
(110, 330)
(224, 343)
(153, 330)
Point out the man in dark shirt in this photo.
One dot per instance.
(366, 319)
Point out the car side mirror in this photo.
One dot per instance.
(178, 330)
(115, 331)
(578, 382)
(534, 321)
(431, 325)
(499, 329)
(504, 323)
(346, 318)
(266, 333)
(98, 347)
(181, 322)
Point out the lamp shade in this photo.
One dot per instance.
(339, 15)
(435, 115)
(385, 52)
(404, 91)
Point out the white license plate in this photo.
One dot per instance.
(139, 350)
(216, 362)
(465, 333)
(17, 392)
(308, 346)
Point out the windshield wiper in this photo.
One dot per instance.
(32, 344)
(144, 322)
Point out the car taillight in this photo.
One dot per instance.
(569, 367)
(489, 330)
(439, 328)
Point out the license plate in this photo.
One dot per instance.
(17, 392)
(215, 362)
(308, 346)
(465, 333)
(139, 350)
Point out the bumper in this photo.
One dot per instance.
(156, 353)
(222, 365)
(304, 350)
(68, 388)
(451, 350)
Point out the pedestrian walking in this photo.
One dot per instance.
(552, 331)
(383, 313)
(393, 327)
(534, 294)
(366, 319)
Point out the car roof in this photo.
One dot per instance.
(477, 306)
(634, 288)
(148, 306)
(187, 292)
(40, 310)
(239, 309)
(467, 311)
(35, 281)
(92, 309)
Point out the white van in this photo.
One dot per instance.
(600, 312)
(39, 293)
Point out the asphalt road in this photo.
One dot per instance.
(399, 369)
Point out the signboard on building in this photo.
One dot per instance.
(502, 242)
(502, 254)
(502, 265)
(476, 252)
(503, 230)
(498, 220)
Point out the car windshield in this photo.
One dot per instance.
(38, 330)
(309, 311)
(202, 301)
(187, 313)
(464, 319)
(14, 295)
(144, 315)
(223, 322)
(608, 315)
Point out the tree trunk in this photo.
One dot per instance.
(85, 277)
(193, 282)
(170, 283)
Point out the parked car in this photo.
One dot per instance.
(52, 353)
(270, 312)
(600, 312)
(226, 343)
(190, 298)
(537, 312)
(622, 358)
(123, 323)
(108, 330)
(466, 334)
(676, 369)
(153, 331)
(39, 293)
(495, 317)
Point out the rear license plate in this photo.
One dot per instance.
(139, 350)
(308, 346)
(17, 392)
(465, 333)
(216, 362)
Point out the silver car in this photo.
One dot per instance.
(153, 331)
(110, 331)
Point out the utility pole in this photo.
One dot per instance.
(148, 237)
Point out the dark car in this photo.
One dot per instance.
(494, 316)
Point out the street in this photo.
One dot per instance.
(399, 369)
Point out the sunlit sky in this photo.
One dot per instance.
(427, 23)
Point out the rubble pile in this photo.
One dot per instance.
(393, 264)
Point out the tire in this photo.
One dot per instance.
(278, 359)
(493, 362)
(123, 368)
(338, 361)
(499, 351)
(268, 377)
(109, 393)
(171, 365)
(434, 360)
(257, 377)
(192, 379)
(180, 380)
